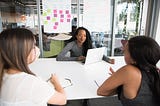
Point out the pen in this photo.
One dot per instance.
(48, 79)
(96, 83)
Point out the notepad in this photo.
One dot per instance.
(94, 55)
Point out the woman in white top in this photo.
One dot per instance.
(18, 85)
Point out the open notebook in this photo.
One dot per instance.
(94, 55)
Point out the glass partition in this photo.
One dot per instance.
(109, 22)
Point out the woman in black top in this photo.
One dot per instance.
(138, 82)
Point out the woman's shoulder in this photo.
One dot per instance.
(130, 71)
(130, 67)
(72, 43)
(31, 77)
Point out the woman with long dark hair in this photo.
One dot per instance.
(138, 82)
(78, 47)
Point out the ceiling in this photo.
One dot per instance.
(18, 2)
(22, 6)
(17, 5)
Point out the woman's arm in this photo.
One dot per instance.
(129, 77)
(59, 96)
(109, 86)
(62, 55)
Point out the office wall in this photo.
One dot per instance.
(158, 30)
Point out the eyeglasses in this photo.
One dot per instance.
(68, 83)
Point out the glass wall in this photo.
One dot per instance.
(109, 21)
(129, 21)
(112, 22)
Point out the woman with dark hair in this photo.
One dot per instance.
(78, 47)
(138, 82)
(18, 85)
(81, 42)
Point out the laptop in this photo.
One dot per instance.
(94, 55)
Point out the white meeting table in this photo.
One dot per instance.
(83, 77)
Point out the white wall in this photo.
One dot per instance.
(158, 36)
(158, 30)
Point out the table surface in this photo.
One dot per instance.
(61, 37)
(83, 77)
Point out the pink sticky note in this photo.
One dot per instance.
(67, 11)
(54, 27)
(62, 16)
(61, 20)
(56, 23)
(55, 11)
(48, 17)
(68, 16)
(60, 11)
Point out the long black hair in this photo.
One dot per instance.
(145, 51)
(88, 42)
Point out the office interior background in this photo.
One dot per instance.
(109, 21)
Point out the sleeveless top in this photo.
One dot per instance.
(144, 96)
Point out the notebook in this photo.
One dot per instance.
(94, 55)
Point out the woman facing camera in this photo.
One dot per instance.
(78, 47)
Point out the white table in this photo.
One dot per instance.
(82, 76)
(61, 37)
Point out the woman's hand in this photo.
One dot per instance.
(111, 71)
(111, 61)
(54, 79)
(59, 96)
(80, 58)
